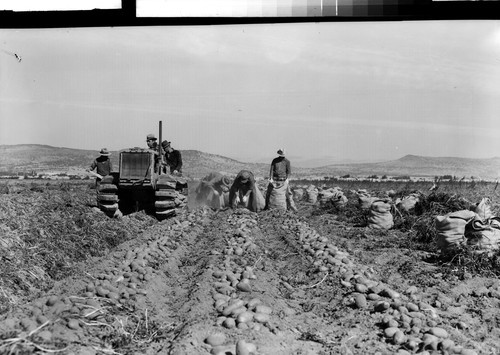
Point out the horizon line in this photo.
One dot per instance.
(360, 161)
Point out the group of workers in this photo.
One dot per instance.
(215, 190)
(173, 159)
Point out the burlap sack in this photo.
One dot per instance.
(494, 222)
(483, 209)
(324, 197)
(451, 229)
(340, 201)
(255, 202)
(298, 194)
(312, 194)
(380, 215)
(333, 197)
(260, 200)
(277, 196)
(483, 235)
(408, 203)
(365, 201)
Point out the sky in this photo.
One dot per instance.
(357, 91)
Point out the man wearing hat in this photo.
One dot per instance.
(152, 141)
(173, 158)
(153, 146)
(102, 164)
(278, 176)
(245, 192)
(212, 190)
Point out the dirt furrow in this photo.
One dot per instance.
(356, 311)
(236, 282)
(111, 306)
(231, 280)
(323, 308)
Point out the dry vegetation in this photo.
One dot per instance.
(50, 230)
(46, 229)
(419, 225)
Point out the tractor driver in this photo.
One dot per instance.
(153, 146)
(173, 158)
(152, 142)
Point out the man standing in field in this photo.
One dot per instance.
(103, 166)
(173, 158)
(245, 192)
(279, 173)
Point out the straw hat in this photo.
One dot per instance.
(104, 152)
(281, 152)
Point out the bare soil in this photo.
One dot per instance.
(276, 282)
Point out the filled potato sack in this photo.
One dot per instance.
(408, 203)
(298, 194)
(483, 235)
(380, 215)
(312, 194)
(451, 229)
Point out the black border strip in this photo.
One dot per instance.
(126, 16)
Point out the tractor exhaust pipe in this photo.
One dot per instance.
(159, 137)
(160, 167)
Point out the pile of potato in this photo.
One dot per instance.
(324, 255)
(232, 285)
(406, 320)
(55, 317)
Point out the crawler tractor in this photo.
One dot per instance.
(142, 184)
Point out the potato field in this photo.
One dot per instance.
(315, 281)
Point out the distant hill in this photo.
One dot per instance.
(27, 157)
(414, 165)
(44, 158)
(198, 164)
(300, 162)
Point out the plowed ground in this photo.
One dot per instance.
(236, 282)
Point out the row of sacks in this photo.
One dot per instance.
(477, 228)
(380, 215)
(306, 193)
(332, 197)
(326, 197)
(406, 204)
